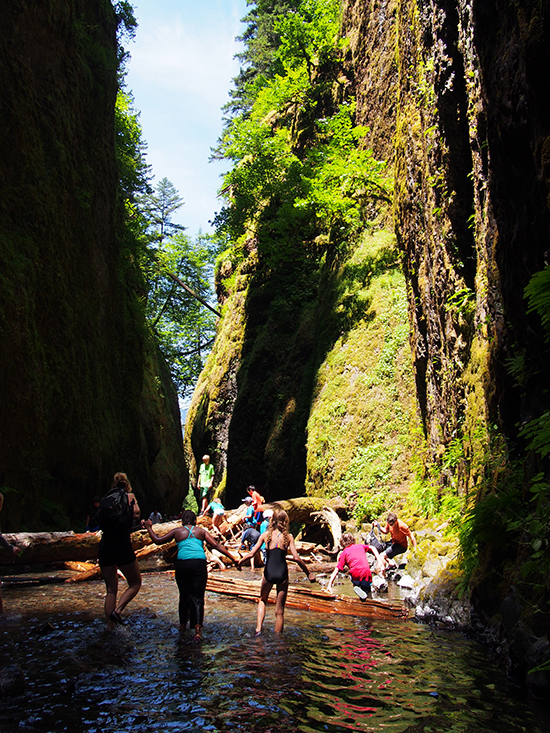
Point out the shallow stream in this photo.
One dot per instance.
(325, 673)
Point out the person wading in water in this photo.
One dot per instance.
(191, 571)
(278, 542)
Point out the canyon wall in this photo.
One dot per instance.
(84, 390)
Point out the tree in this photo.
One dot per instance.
(183, 327)
(158, 207)
(299, 165)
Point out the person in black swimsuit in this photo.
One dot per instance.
(278, 542)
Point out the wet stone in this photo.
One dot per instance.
(12, 681)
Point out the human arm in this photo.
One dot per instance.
(299, 561)
(374, 551)
(332, 579)
(386, 529)
(254, 550)
(413, 540)
(135, 507)
(148, 525)
(379, 562)
(207, 537)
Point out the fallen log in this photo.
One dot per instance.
(310, 600)
(300, 510)
(50, 547)
(95, 571)
(328, 517)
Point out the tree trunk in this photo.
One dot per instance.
(310, 599)
(49, 547)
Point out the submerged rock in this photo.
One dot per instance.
(12, 681)
(379, 584)
(406, 581)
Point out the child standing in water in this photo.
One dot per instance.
(278, 542)
(12, 548)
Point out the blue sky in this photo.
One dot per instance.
(180, 74)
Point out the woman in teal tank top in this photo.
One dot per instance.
(191, 573)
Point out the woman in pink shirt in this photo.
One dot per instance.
(355, 557)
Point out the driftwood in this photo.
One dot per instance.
(94, 571)
(330, 519)
(80, 567)
(301, 509)
(52, 547)
(310, 600)
(49, 547)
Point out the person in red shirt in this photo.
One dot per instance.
(257, 503)
(355, 557)
(400, 534)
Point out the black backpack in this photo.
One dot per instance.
(115, 511)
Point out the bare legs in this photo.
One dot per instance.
(265, 589)
(133, 577)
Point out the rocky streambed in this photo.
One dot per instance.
(492, 609)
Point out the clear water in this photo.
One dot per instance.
(325, 673)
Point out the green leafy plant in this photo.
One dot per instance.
(370, 505)
(293, 170)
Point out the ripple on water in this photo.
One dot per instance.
(325, 673)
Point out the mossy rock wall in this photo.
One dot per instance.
(364, 427)
(309, 387)
(472, 217)
(84, 392)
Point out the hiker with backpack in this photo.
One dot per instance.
(118, 513)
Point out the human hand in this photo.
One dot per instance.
(311, 577)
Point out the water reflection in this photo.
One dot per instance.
(326, 673)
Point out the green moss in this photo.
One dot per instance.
(362, 426)
(78, 370)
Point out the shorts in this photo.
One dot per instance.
(395, 549)
(204, 491)
(218, 512)
(116, 550)
(364, 584)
